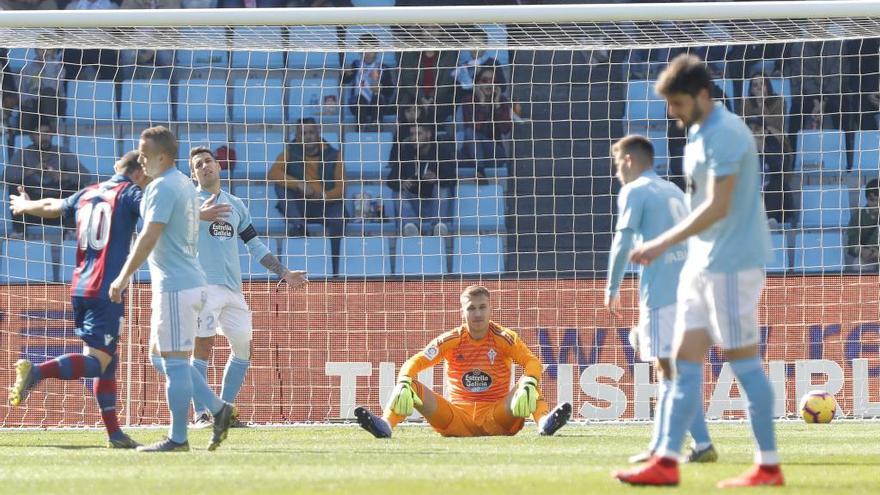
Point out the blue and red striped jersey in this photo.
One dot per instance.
(106, 217)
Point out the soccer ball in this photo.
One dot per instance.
(818, 406)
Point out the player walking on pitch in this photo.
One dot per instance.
(478, 359)
(648, 206)
(170, 210)
(226, 310)
(106, 216)
(721, 282)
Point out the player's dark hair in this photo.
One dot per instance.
(685, 74)
(635, 145)
(199, 150)
(162, 137)
(872, 188)
(128, 164)
(474, 290)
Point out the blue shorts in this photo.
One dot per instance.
(98, 322)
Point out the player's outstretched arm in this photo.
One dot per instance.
(22, 204)
(293, 278)
(143, 246)
(719, 195)
(525, 398)
(619, 256)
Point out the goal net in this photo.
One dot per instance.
(438, 148)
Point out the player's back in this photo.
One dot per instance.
(171, 199)
(106, 217)
(723, 145)
(218, 242)
(659, 205)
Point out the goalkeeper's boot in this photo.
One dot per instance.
(641, 457)
(165, 445)
(554, 420)
(223, 420)
(708, 454)
(759, 475)
(123, 441)
(202, 421)
(24, 381)
(376, 425)
(659, 471)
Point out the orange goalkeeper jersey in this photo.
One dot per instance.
(477, 370)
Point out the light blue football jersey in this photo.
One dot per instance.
(171, 199)
(218, 242)
(721, 146)
(649, 206)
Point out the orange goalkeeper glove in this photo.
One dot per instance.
(404, 398)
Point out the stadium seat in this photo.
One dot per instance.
(821, 150)
(372, 3)
(256, 150)
(28, 262)
(824, 206)
(202, 101)
(480, 208)
(145, 101)
(643, 106)
(17, 58)
(421, 255)
(96, 153)
(261, 60)
(661, 152)
(820, 251)
(90, 102)
(258, 101)
(305, 98)
(325, 36)
(778, 264)
(781, 86)
(382, 33)
(68, 261)
(478, 255)
(311, 254)
(365, 257)
(188, 140)
(205, 59)
(866, 154)
(362, 207)
(260, 200)
(365, 154)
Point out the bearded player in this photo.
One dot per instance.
(478, 358)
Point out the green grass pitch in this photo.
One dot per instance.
(843, 457)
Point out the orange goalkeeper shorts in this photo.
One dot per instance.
(480, 419)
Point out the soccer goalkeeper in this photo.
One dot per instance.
(478, 356)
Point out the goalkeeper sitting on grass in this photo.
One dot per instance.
(478, 356)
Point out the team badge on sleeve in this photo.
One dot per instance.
(431, 351)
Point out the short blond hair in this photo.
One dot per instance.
(474, 290)
(162, 137)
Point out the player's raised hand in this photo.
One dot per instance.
(647, 252)
(294, 278)
(210, 210)
(612, 304)
(17, 202)
(404, 398)
(118, 287)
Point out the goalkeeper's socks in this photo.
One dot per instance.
(233, 378)
(201, 367)
(663, 396)
(157, 363)
(682, 406)
(178, 392)
(202, 393)
(68, 367)
(750, 374)
(105, 393)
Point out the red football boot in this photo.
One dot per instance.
(658, 471)
(759, 475)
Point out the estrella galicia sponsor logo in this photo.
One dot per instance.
(476, 381)
(221, 230)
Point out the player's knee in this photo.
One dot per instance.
(664, 369)
(240, 344)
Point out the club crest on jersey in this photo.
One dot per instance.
(491, 355)
(476, 381)
(221, 230)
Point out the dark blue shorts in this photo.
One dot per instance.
(98, 322)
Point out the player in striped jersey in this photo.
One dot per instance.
(226, 309)
(478, 359)
(106, 215)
